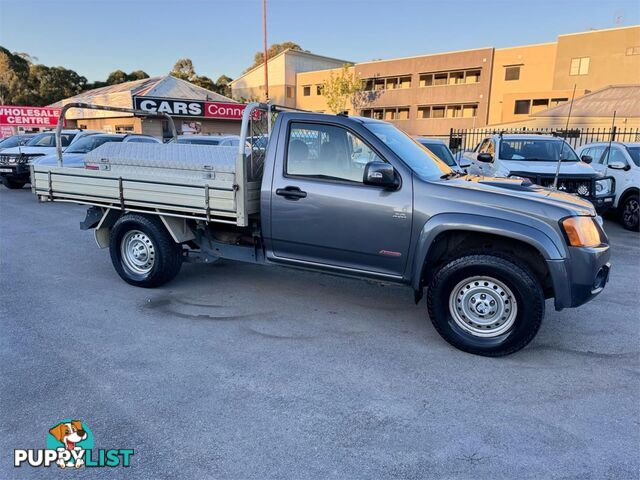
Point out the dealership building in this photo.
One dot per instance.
(432, 94)
(194, 109)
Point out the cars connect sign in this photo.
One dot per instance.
(28, 116)
(189, 108)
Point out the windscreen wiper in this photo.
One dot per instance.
(452, 174)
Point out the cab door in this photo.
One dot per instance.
(323, 214)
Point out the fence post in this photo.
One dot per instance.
(614, 129)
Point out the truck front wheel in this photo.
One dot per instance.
(143, 252)
(486, 304)
(13, 184)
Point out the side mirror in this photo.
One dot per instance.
(464, 163)
(485, 157)
(380, 174)
(586, 158)
(618, 166)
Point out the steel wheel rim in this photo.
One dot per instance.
(483, 306)
(630, 212)
(137, 252)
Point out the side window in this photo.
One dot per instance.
(595, 153)
(326, 151)
(616, 155)
(487, 147)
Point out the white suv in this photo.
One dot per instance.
(622, 162)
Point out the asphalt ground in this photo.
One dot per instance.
(241, 371)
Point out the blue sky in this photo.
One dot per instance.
(95, 37)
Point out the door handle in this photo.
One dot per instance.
(292, 193)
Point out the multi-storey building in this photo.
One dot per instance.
(430, 94)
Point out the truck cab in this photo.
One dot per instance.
(535, 158)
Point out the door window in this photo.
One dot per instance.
(487, 147)
(616, 155)
(596, 154)
(327, 151)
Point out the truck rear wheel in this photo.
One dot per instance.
(486, 304)
(143, 252)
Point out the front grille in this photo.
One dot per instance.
(12, 159)
(582, 186)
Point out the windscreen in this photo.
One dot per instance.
(536, 150)
(13, 141)
(415, 155)
(442, 152)
(634, 153)
(49, 140)
(85, 145)
(198, 141)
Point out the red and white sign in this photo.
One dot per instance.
(28, 116)
(224, 110)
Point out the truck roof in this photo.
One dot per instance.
(525, 136)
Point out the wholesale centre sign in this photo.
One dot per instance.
(16, 116)
(190, 108)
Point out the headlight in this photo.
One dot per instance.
(581, 232)
(603, 187)
(12, 159)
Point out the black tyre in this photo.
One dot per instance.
(143, 252)
(628, 212)
(486, 304)
(13, 184)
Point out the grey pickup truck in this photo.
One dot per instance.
(351, 196)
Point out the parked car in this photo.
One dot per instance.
(15, 140)
(622, 162)
(221, 140)
(535, 158)
(15, 161)
(490, 250)
(440, 149)
(74, 155)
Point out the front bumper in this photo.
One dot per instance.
(581, 277)
(16, 171)
(603, 203)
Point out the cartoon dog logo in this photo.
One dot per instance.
(69, 433)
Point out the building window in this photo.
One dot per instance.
(318, 89)
(539, 104)
(366, 113)
(448, 111)
(472, 76)
(437, 112)
(512, 73)
(306, 90)
(124, 128)
(470, 111)
(557, 101)
(388, 83)
(579, 66)
(403, 113)
(522, 107)
(389, 114)
(378, 114)
(633, 51)
(289, 92)
(457, 77)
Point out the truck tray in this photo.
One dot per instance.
(191, 181)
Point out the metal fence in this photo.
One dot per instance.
(467, 139)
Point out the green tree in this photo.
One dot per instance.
(272, 51)
(223, 85)
(342, 88)
(116, 77)
(184, 70)
(14, 78)
(50, 84)
(138, 75)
